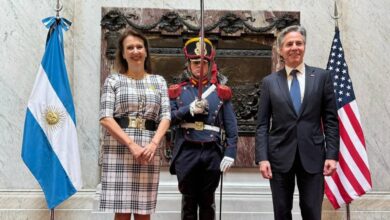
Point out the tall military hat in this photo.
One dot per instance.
(192, 49)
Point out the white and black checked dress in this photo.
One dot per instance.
(128, 186)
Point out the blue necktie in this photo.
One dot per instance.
(295, 91)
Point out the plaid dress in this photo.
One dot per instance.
(128, 186)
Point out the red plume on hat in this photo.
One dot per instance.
(214, 74)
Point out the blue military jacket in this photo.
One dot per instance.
(220, 113)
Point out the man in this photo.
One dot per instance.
(202, 129)
(297, 129)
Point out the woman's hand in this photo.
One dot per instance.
(136, 150)
(117, 132)
(149, 151)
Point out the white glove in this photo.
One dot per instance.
(226, 163)
(198, 106)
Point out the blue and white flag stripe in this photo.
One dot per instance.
(50, 146)
(62, 139)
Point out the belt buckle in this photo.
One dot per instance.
(199, 126)
(137, 122)
(140, 123)
(132, 122)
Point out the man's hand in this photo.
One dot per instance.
(226, 163)
(329, 167)
(198, 107)
(265, 169)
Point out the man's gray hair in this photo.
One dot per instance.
(289, 29)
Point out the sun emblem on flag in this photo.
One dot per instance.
(54, 117)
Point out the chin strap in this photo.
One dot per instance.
(194, 81)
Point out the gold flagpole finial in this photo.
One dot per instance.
(336, 15)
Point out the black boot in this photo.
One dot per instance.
(189, 207)
(207, 206)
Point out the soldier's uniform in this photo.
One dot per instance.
(202, 140)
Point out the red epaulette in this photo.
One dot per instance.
(174, 90)
(224, 92)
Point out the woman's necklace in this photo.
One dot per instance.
(136, 76)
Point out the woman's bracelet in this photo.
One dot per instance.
(154, 142)
(130, 143)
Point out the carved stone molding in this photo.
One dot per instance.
(174, 22)
(219, 53)
(246, 105)
(184, 22)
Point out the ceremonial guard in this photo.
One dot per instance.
(205, 130)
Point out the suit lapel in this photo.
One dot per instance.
(282, 83)
(310, 78)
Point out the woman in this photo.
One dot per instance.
(136, 114)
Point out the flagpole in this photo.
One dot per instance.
(220, 198)
(348, 213)
(57, 9)
(336, 16)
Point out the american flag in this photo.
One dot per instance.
(352, 177)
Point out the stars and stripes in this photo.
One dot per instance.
(352, 177)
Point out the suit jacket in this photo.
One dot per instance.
(314, 131)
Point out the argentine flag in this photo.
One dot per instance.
(50, 148)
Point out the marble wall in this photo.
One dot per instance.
(364, 32)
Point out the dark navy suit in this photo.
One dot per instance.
(197, 153)
(297, 143)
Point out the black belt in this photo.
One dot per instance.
(136, 122)
(198, 144)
